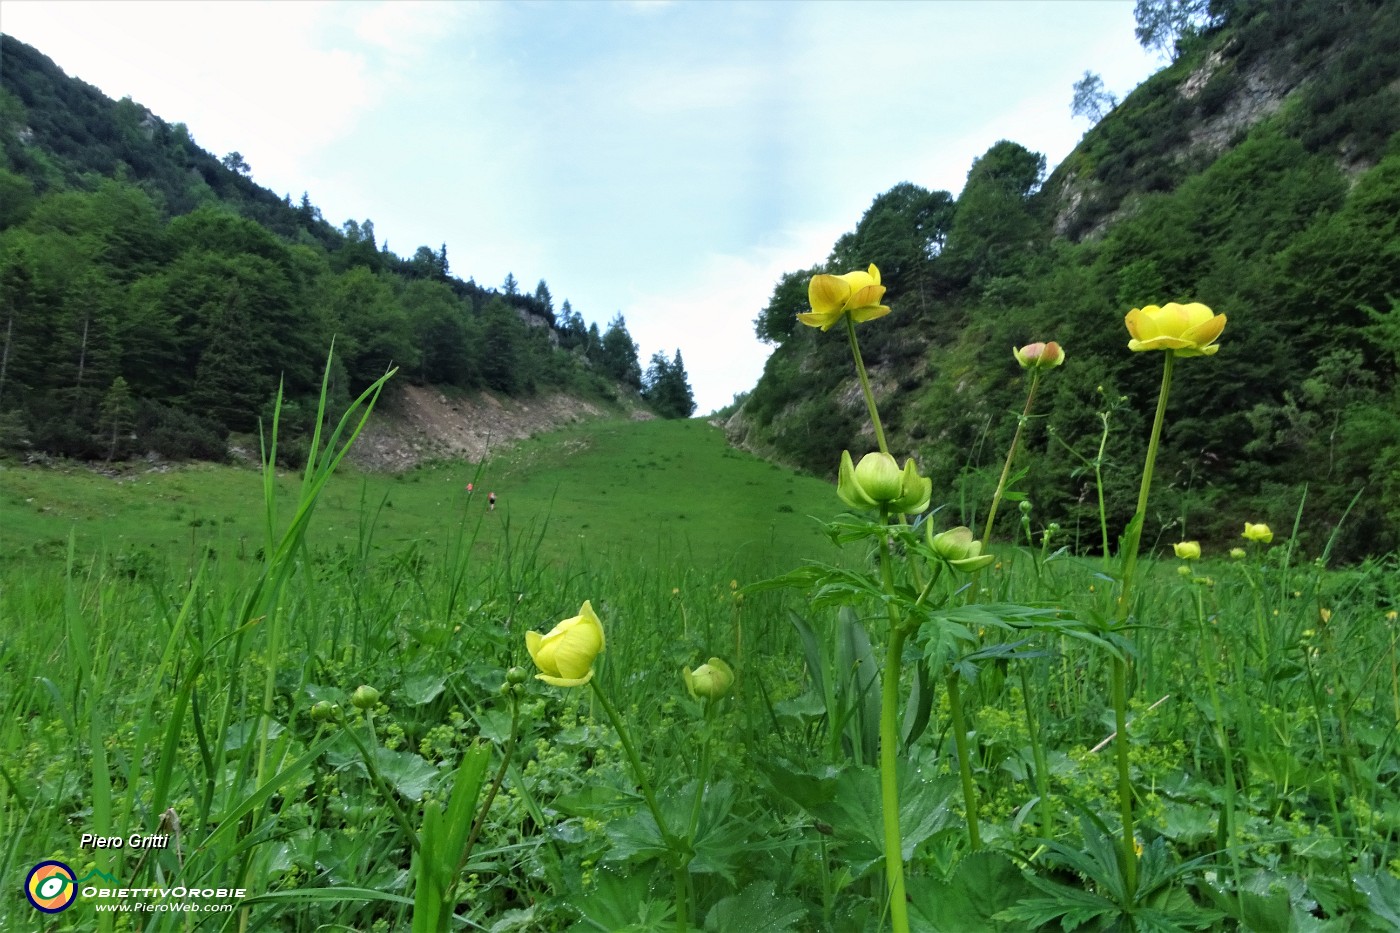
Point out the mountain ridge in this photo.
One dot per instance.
(1258, 173)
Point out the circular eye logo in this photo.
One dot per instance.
(51, 887)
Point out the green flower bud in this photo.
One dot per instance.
(959, 549)
(709, 681)
(364, 697)
(1025, 506)
(324, 711)
(878, 481)
(517, 675)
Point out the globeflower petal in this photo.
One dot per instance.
(848, 489)
(861, 315)
(828, 294)
(822, 319)
(917, 492)
(866, 297)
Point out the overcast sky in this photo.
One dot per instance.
(668, 160)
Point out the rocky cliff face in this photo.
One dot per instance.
(1225, 101)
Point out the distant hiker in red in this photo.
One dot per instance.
(491, 498)
(469, 487)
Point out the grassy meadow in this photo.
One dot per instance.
(338, 714)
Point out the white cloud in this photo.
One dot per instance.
(709, 316)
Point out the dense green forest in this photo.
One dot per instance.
(1259, 173)
(153, 298)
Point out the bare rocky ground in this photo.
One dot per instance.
(417, 423)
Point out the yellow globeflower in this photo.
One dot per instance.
(1259, 532)
(855, 293)
(565, 655)
(1186, 330)
(1187, 550)
(709, 681)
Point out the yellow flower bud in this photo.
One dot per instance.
(1259, 532)
(1186, 330)
(565, 655)
(957, 547)
(878, 481)
(709, 681)
(834, 296)
(1238, 553)
(1039, 355)
(1187, 550)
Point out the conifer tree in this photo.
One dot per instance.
(618, 354)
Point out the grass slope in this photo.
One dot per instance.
(672, 489)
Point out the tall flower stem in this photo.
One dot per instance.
(1010, 456)
(678, 866)
(1131, 542)
(889, 752)
(865, 387)
(889, 689)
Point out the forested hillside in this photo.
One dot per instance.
(1259, 173)
(152, 296)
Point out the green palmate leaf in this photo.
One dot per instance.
(409, 773)
(756, 909)
(421, 688)
(847, 529)
(857, 822)
(1382, 895)
(982, 885)
(1072, 907)
(809, 789)
(624, 901)
(635, 837)
(1271, 911)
